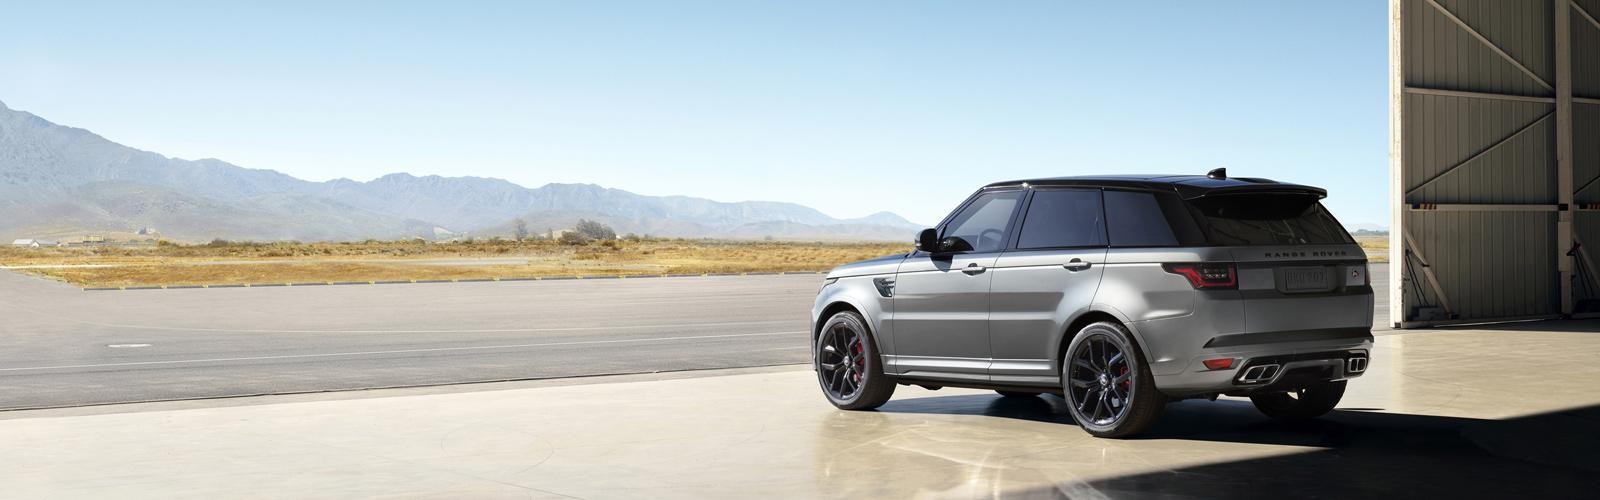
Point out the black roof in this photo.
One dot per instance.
(1188, 186)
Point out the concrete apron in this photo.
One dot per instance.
(1420, 421)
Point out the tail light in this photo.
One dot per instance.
(1206, 276)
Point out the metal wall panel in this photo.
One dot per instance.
(1586, 289)
(1453, 130)
(1586, 51)
(1490, 264)
(1439, 54)
(1586, 153)
(1519, 27)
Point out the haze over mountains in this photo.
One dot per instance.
(58, 180)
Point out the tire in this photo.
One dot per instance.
(1110, 395)
(1301, 404)
(1018, 394)
(852, 380)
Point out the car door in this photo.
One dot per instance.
(1049, 277)
(941, 300)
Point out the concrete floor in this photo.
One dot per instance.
(1507, 412)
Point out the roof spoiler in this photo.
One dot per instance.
(1192, 192)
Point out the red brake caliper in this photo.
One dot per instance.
(860, 362)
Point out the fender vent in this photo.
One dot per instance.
(885, 286)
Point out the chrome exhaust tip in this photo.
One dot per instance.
(1356, 364)
(1258, 374)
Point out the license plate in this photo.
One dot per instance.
(1307, 279)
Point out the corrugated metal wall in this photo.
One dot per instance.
(1448, 131)
(1490, 264)
(1478, 172)
(1586, 152)
(1439, 54)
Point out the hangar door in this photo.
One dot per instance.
(1494, 156)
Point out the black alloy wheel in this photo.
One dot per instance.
(1109, 390)
(847, 364)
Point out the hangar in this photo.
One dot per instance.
(1494, 159)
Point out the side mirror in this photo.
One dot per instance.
(954, 244)
(928, 241)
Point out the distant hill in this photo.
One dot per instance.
(57, 180)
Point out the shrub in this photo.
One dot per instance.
(574, 238)
(595, 230)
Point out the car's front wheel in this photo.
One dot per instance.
(848, 365)
(1301, 404)
(1107, 385)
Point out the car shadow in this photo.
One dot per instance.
(1348, 453)
(1035, 409)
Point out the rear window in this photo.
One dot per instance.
(1268, 219)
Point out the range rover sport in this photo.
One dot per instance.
(1118, 293)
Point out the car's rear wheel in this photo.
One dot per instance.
(1106, 383)
(1301, 404)
(848, 366)
(1018, 394)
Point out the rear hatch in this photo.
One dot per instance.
(1299, 272)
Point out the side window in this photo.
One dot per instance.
(1136, 220)
(1063, 218)
(983, 223)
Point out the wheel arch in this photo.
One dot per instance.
(1097, 315)
(836, 307)
(843, 304)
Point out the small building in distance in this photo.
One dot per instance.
(32, 243)
(84, 240)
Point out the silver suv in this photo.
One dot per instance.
(1118, 293)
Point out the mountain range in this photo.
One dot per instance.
(58, 180)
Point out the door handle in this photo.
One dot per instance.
(973, 269)
(1076, 265)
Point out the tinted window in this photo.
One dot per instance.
(1063, 218)
(1268, 219)
(983, 223)
(1136, 220)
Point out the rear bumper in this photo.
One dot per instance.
(1263, 338)
(1275, 364)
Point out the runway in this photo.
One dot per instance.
(62, 346)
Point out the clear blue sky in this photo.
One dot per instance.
(851, 107)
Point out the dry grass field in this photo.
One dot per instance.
(223, 263)
(1377, 247)
(263, 263)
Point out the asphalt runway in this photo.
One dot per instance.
(62, 346)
